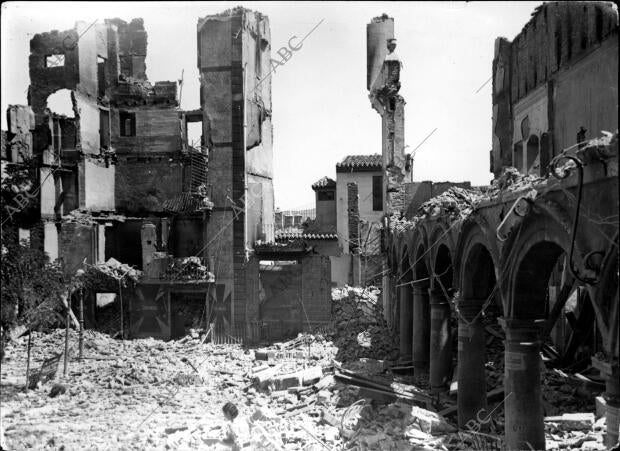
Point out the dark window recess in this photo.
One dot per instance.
(57, 60)
(377, 193)
(127, 123)
(599, 23)
(392, 105)
(104, 129)
(326, 195)
(101, 62)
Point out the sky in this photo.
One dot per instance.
(321, 111)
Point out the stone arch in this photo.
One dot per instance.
(477, 282)
(440, 342)
(421, 303)
(443, 269)
(475, 229)
(533, 248)
(478, 266)
(442, 251)
(419, 253)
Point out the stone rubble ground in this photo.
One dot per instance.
(150, 394)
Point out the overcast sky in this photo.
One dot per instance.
(321, 110)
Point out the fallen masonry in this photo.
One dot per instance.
(297, 394)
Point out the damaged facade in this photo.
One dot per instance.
(118, 180)
(120, 183)
(537, 251)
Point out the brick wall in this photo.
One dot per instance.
(559, 37)
(143, 184)
(316, 288)
(353, 216)
(559, 34)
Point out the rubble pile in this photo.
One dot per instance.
(401, 225)
(511, 180)
(293, 395)
(189, 268)
(455, 202)
(114, 269)
(125, 394)
(360, 328)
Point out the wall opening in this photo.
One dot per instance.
(530, 300)
(127, 123)
(104, 129)
(517, 156)
(60, 103)
(56, 60)
(194, 134)
(532, 157)
(377, 193)
(101, 79)
(545, 153)
(443, 270)
(479, 284)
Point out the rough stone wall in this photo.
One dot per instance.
(316, 290)
(143, 184)
(131, 51)
(501, 155)
(558, 34)
(157, 131)
(569, 52)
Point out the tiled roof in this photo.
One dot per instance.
(353, 163)
(282, 236)
(324, 182)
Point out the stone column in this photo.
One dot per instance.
(471, 395)
(524, 418)
(611, 372)
(612, 396)
(406, 311)
(440, 341)
(421, 329)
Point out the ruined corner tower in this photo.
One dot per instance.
(383, 83)
(235, 95)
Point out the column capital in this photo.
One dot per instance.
(469, 308)
(522, 331)
(437, 297)
(516, 323)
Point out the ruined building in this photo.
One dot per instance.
(125, 195)
(537, 251)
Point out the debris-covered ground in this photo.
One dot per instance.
(322, 391)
